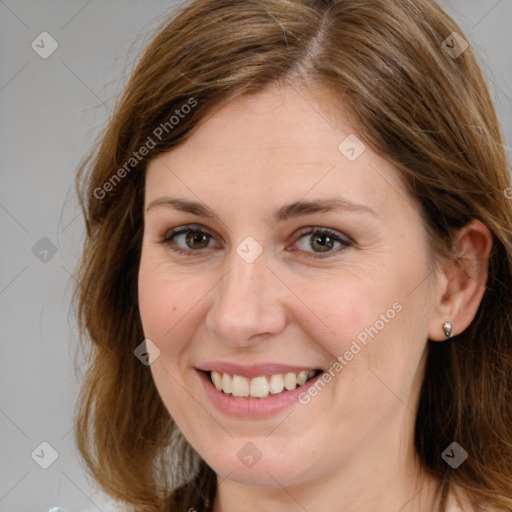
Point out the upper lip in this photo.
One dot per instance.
(252, 371)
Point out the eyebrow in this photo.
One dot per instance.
(285, 212)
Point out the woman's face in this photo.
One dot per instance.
(297, 249)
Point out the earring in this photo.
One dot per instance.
(447, 326)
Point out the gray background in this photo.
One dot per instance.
(51, 110)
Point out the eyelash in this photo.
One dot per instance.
(167, 239)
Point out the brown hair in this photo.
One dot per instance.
(426, 111)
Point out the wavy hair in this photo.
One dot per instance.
(425, 110)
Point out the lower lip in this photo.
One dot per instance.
(254, 407)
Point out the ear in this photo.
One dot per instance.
(462, 281)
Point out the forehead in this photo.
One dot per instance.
(279, 124)
(282, 144)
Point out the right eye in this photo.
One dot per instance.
(187, 239)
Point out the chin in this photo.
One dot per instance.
(274, 470)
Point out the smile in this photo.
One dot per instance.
(262, 386)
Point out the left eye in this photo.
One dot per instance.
(188, 239)
(320, 241)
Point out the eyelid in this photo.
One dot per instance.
(311, 230)
(344, 240)
(167, 238)
(183, 229)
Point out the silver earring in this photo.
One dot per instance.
(447, 326)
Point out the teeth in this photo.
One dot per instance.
(259, 387)
(302, 377)
(217, 379)
(226, 383)
(239, 386)
(290, 381)
(276, 384)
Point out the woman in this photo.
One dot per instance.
(297, 272)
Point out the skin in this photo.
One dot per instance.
(351, 447)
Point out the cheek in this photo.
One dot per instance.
(162, 302)
(171, 306)
(163, 306)
(369, 322)
(348, 307)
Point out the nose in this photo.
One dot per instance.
(247, 306)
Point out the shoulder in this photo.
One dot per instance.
(458, 501)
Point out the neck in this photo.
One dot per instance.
(394, 494)
(372, 479)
